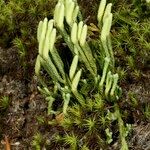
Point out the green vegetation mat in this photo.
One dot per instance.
(75, 75)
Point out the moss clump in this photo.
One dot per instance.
(18, 23)
(132, 37)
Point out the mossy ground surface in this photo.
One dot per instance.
(26, 114)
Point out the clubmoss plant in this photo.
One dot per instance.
(76, 40)
(88, 85)
(123, 130)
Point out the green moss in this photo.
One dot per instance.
(99, 122)
(4, 102)
(18, 23)
(131, 36)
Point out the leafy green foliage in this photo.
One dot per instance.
(94, 92)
